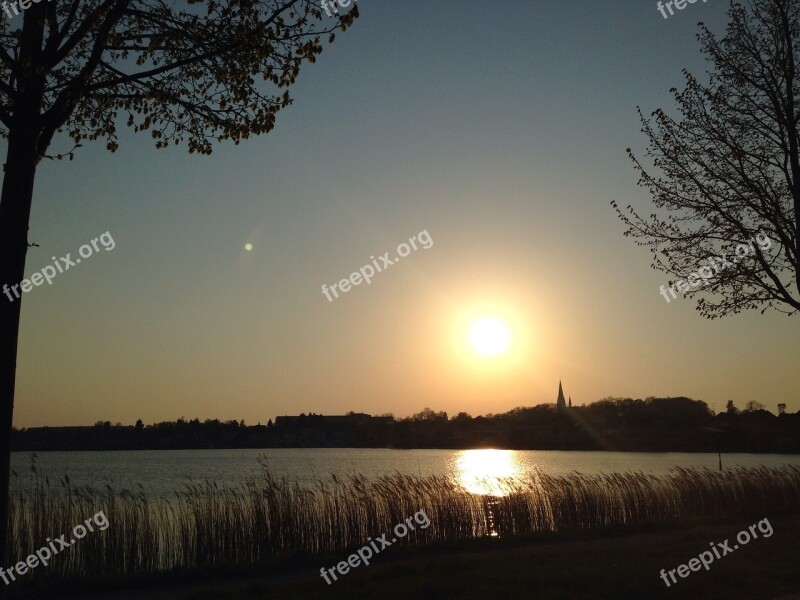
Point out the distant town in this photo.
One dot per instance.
(615, 424)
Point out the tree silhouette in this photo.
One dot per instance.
(730, 167)
(753, 406)
(184, 71)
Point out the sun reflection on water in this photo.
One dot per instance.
(484, 471)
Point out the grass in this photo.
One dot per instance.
(267, 520)
(616, 568)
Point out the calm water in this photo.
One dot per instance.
(162, 472)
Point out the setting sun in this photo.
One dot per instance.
(489, 336)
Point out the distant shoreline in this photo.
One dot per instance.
(613, 424)
(676, 451)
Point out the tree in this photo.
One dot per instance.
(186, 72)
(730, 408)
(781, 408)
(429, 414)
(729, 195)
(753, 406)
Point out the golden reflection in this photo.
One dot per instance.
(484, 471)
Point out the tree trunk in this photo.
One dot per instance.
(15, 209)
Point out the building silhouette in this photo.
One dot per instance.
(561, 403)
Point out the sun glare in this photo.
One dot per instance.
(487, 472)
(489, 336)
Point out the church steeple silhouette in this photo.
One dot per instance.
(561, 404)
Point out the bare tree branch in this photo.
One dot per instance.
(730, 168)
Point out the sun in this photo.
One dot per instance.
(489, 336)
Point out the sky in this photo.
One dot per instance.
(499, 129)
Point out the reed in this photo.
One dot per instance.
(265, 519)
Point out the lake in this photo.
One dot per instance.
(161, 472)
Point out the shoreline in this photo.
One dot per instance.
(581, 555)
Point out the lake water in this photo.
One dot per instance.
(163, 472)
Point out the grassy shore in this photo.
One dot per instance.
(274, 522)
(614, 564)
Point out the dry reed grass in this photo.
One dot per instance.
(265, 519)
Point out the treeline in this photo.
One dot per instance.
(653, 424)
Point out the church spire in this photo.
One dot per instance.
(561, 404)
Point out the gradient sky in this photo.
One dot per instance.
(498, 127)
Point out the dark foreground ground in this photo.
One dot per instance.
(618, 565)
